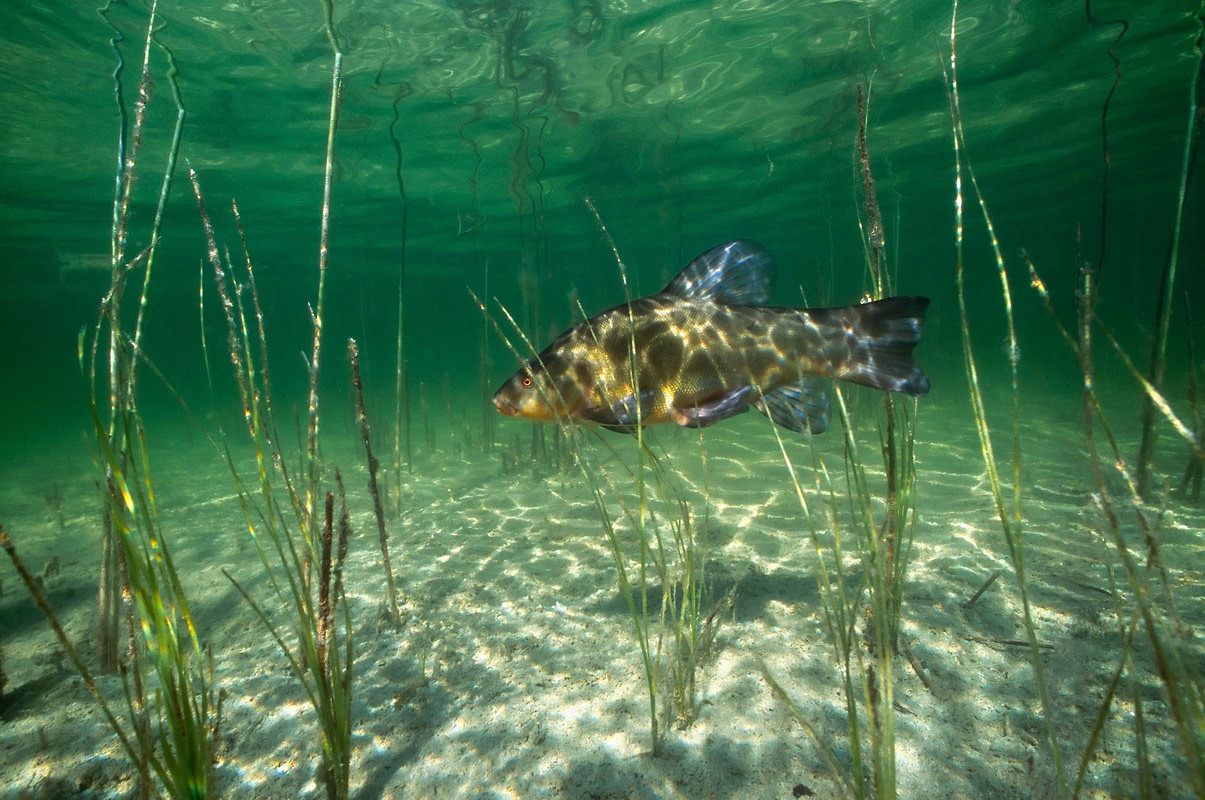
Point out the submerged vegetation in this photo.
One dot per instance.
(687, 640)
(171, 711)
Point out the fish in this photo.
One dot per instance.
(709, 346)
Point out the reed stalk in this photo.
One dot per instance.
(321, 663)
(315, 361)
(867, 662)
(320, 657)
(357, 383)
(109, 590)
(170, 740)
(1157, 364)
(1010, 523)
(401, 384)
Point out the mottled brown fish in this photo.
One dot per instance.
(707, 347)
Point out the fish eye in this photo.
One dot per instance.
(527, 380)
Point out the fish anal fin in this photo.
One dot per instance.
(799, 407)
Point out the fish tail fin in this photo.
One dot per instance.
(872, 344)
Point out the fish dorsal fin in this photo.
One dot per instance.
(737, 273)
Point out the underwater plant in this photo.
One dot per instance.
(1011, 521)
(1151, 600)
(357, 383)
(291, 535)
(882, 546)
(171, 718)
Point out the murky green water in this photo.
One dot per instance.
(470, 135)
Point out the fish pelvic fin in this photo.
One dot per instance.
(877, 340)
(736, 273)
(723, 406)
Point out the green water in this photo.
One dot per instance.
(484, 126)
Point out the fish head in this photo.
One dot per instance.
(546, 388)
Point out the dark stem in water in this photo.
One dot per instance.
(874, 220)
(401, 415)
(1106, 159)
(1190, 483)
(324, 584)
(1167, 281)
(357, 384)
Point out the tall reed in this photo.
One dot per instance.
(275, 513)
(1151, 596)
(883, 546)
(357, 383)
(401, 380)
(1011, 523)
(1157, 364)
(672, 636)
(290, 535)
(170, 737)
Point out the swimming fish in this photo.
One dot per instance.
(707, 347)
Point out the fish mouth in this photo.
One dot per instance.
(504, 408)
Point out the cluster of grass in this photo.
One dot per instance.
(1144, 596)
(289, 539)
(861, 608)
(659, 555)
(291, 520)
(675, 635)
(171, 718)
(1144, 601)
(171, 713)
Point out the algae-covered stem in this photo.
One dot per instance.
(874, 219)
(878, 244)
(357, 384)
(323, 258)
(324, 584)
(883, 610)
(165, 188)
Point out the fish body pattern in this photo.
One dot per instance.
(707, 347)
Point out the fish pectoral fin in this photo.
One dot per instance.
(622, 415)
(801, 407)
(714, 409)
